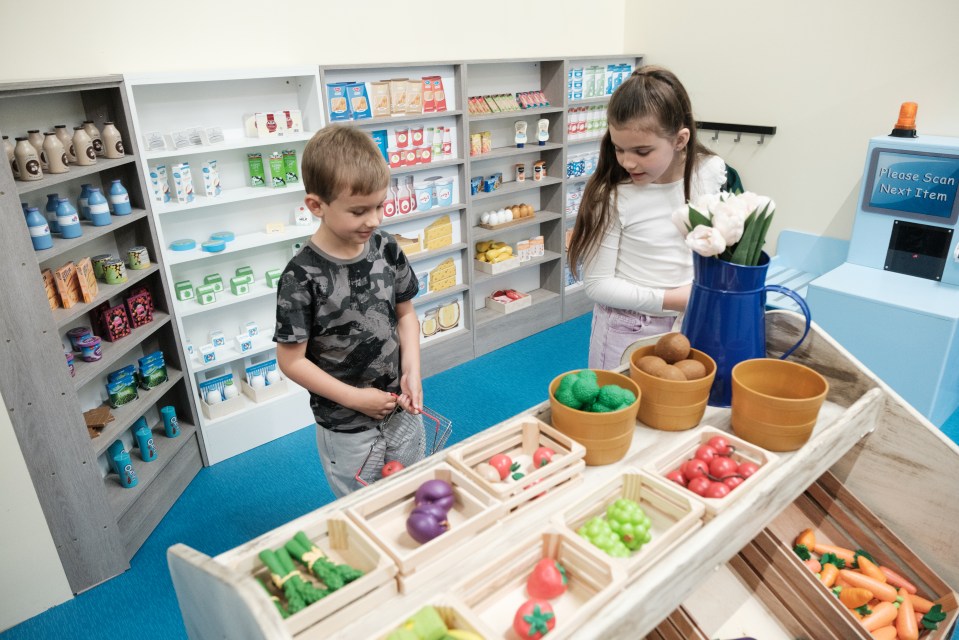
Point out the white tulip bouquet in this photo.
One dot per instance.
(730, 227)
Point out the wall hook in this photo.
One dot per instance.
(739, 135)
(762, 136)
(715, 136)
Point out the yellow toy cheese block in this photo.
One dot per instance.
(443, 276)
(409, 245)
(439, 233)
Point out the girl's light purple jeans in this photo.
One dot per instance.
(614, 330)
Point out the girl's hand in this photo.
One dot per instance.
(373, 402)
(676, 299)
(411, 398)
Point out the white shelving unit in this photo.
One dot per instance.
(174, 102)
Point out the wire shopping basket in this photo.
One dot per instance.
(405, 438)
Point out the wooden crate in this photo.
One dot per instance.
(454, 613)
(840, 519)
(382, 515)
(494, 268)
(496, 592)
(337, 536)
(743, 451)
(519, 439)
(674, 515)
(510, 307)
(677, 626)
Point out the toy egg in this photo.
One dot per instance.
(485, 217)
(230, 391)
(509, 215)
(213, 397)
(258, 381)
(272, 376)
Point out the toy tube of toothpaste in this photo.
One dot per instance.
(542, 131)
(520, 128)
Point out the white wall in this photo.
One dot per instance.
(828, 74)
(34, 579)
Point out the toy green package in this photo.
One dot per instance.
(257, 175)
(276, 169)
(290, 172)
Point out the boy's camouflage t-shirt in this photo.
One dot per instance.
(346, 310)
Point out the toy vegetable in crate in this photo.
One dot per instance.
(334, 576)
(582, 391)
(285, 576)
(624, 529)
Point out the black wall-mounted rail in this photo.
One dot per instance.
(738, 129)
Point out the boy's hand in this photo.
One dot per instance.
(411, 398)
(373, 402)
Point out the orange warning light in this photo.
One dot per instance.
(907, 116)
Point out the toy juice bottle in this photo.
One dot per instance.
(39, 230)
(438, 134)
(56, 155)
(83, 147)
(412, 192)
(66, 140)
(53, 200)
(404, 199)
(94, 134)
(98, 208)
(447, 143)
(112, 141)
(119, 199)
(28, 161)
(11, 157)
(36, 139)
(68, 219)
(82, 201)
(389, 205)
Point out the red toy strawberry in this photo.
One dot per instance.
(534, 619)
(547, 581)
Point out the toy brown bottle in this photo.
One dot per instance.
(35, 138)
(28, 160)
(11, 157)
(83, 147)
(66, 139)
(112, 141)
(56, 154)
(94, 134)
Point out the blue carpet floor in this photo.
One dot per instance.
(245, 496)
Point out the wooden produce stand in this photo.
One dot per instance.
(892, 470)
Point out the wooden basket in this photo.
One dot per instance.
(263, 394)
(344, 543)
(383, 517)
(495, 593)
(494, 268)
(519, 439)
(454, 613)
(220, 409)
(840, 519)
(743, 452)
(674, 516)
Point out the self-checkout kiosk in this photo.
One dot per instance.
(894, 303)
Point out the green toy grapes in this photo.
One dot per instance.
(628, 521)
(598, 532)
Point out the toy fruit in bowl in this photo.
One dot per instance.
(675, 381)
(604, 421)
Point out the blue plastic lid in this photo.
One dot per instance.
(183, 245)
(225, 236)
(213, 246)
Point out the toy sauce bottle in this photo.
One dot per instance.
(389, 205)
(53, 200)
(39, 229)
(404, 199)
(68, 219)
(83, 205)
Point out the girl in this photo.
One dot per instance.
(636, 266)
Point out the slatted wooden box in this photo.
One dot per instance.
(519, 439)
(382, 515)
(495, 268)
(454, 613)
(743, 451)
(494, 594)
(838, 518)
(674, 515)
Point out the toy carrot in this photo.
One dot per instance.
(840, 552)
(828, 574)
(807, 539)
(883, 615)
(906, 625)
(897, 580)
(920, 604)
(854, 597)
(813, 565)
(885, 633)
(868, 568)
(881, 590)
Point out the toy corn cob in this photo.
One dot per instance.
(332, 575)
(279, 605)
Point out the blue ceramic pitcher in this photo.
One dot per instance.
(725, 317)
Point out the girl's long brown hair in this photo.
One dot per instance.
(653, 94)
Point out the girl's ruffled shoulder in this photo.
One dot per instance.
(711, 174)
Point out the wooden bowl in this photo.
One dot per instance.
(776, 403)
(672, 405)
(606, 436)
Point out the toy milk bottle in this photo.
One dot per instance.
(56, 155)
(119, 199)
(28, 161)
(39, 229)
(94, 134)
(124, 467)
(68, 219)
(98, 208)
(83, 206)
(36, 139)
(53, 200)
(83, 147)
(11, 157)
(112, 142)
(148, 449)
(66, 140)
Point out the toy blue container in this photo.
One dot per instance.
(39, 230)
(68, 219)
(98, 209)
(144, 436)
(124, 467)
(82, 201)
(112, 452)
(51, 211)
(171, 425)
(119, 199)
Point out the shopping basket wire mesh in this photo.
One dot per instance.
(405, 438)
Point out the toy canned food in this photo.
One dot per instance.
(114, 271)
(90, 349)
(138, 258)
(72, 369)
(98, 264)
(444, 192)
(78, 334)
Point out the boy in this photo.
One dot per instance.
(346, 329)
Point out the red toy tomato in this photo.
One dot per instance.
(542, 457)
(721, 466)
(705, 453)
(694, 468)
(699, 485)
(721, 445)
(677, 476)
(534, 619)
(502, 463)
(747, 469)
(547, 581)
(732, 481)
(716, 490)
(391, 467)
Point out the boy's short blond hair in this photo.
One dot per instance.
(340, 158)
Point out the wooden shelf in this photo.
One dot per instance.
(114, 351)
(229, 196)
(518, 115)
(63, 317)
(418, 214)
(227, 354)
(259, 289)
(442, 251)
(76, 172)
(428, 298)
(549, 256)
(540, 217)
(517, 187)
(485, 317)
(507, 152)
(230, 144)
(90, 233)
(583, 102)
(243, 242)
(387, 120)
(436, 164)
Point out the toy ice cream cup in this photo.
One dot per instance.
(78, 334)
(90, 349)
(424, 196)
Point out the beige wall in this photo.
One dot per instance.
(828, 74)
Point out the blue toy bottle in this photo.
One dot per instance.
(119, 199)
(98, 209)
(144, 436)
(170, 423)
(82, 206)
(128, 477)
(51, 209)
(112, 452)
(68, 219)
(39, 230)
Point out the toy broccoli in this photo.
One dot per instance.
(582, 391)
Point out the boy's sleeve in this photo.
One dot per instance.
(294, 309)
